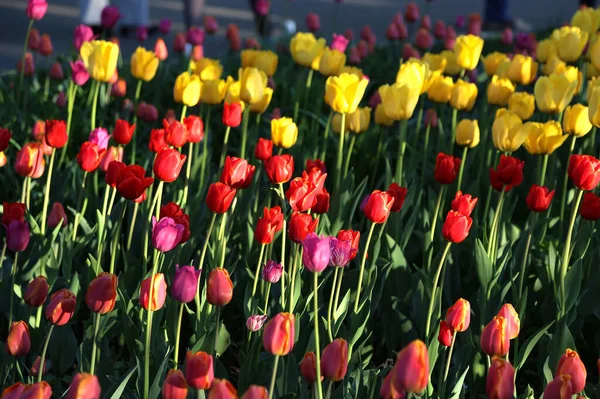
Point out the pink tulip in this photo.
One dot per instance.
(340, 42)
(36, 9)
(166, 234)
(83, 33)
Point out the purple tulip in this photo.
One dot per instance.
(316, 252)
(36, 9)
(109, 17)
(166, 234)
(100, 137)
(164, 26)
(341, 252)
(185, 283)
(261, 7)
(195, 36)
(460, 22)
(17, 236)
(339, 43)
(80, 74)
(141, 33)
(272, 272)
(83, 33)
(255, 322)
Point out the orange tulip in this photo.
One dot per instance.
(279, 334)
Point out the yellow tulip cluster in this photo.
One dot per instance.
(263, 60)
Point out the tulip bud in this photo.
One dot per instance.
(109, 17)
(256, 392)
(424, 40)
(222, 389)
(584, 170)
(119, 89)
(159, 292)
(446, 168)
(412, 368)
(463, 203)
(164, 26)
(232, 114)
(56, 133)
(389, 390)
(316, 254)
(508, 173)
(141, 33)
(219, 197)
(80, 75)
(166, 233)
(18, 343)
(175, 133)
(264, 149)
(255, 322)
(500, 381)
(237, 172)
(334, 360)
(590, 207)
(35, 367)
(175, 386)
(36, 9)
(272, 272)
(219, 288)
(571, 364)
(195, 36)
(29, 65)
(456, 227)
(179, 43)
(17, 236)
(445, 334)
(341, 252)
(185, 283)
(467, 133)
(195, 128)
(123, 132)
(89, 157)
(279, 168)
(411, 14)
(210, 24)
(84, 385)
(83, 33)
(168, 164)
(495, 338)
(199, 371)
(398, 194)
(56, 71)
(61, 307)
(279, 334)
(339, 43)
(308, 367)
(36, 292)
(102, 293)
(99, 137)
(458, 316)
(559, 388)
(378, 206)
(14, 391)
(39, 390)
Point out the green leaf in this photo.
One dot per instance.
(529, 345)
(484, 266)
(573, 284)
(559, 343)
(117, 389)
(155, 388)
(455, 393)
(398, 259)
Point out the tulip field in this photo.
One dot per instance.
(313, 217)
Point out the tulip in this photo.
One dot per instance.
(522, 69)
(440, 88)
(199, 370)
(61, 307)
(18, 342)
(512, 318)
(304, 48)
(272, 272)
(302, 193)
(265, 61)
(500, 381)
(570, 42)
(378, 206)
(179, 43)
(279, 168)
(173, 211)
(493, 62)
(331, 62)
(468, 50)
(316, 255)
(284, 132)
(252, 85)
(339, 43)
(166, 233)
(34, 40)
(279, 334)
(56, 72)
(99, 137)
(102, 293)
(334, 360)
(80, 74)
(195, 36)
(458, 316)
(467, 133)
(539, 198)
(84, 385)
(45, 46)
(210, 24)
(261, 106)
(267, 226)
(389, 390)
(130, 181)
(123, 132)
(507, 132)
(17, 236)
(559, 388)
(446, 168)
(264, 149)
(222, 389)
(255, 322)
(508, 174)
(584, 170)
(522, 104)
(411, 371)
(168, 164)
(29, 65)
(36, 292)
(571, 364)
(144, 64)
(232, 114)
(343, 93)
(445, 334)
(576, 119)
(207, 69)
(36, 9)
(500, 90)
(308, 367)
(256, 392)
(456, 227)
(359, 120)
(14, 391)
(5, 136)
(30, 161)
(187, 89)
(219, 197)
(159, 292)
(300, 225)
(175, 133)
(219, 289)
(237, 172)
(83, 33)
(495, 337)
(543, 138)
(13, 211)
(39, 390)
(175, 386)
(100, 58)
(553, 93)
(398, 194)
(185, 283)
(109, 17)
(195, 128)
(341, 252)
(89, 157)
(463, 95)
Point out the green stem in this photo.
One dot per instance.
(544, 167)
(283, 232)
(156, 201)
(273, 377)
(116, 239)
(293, 277)
(434, 289)
(401, 151)
(338, 288)
(454, 117)
(201, 263)
(102, 225)
(340, 158)
(215, 353)
(138, 91)
(188, 172)
(563, 195)
(205, 147)
(94, 345)
(434, 217)
(447, 368)
(362, 267)
(13, 275)
(136, 208)
(245, 119)
(224, 150)
(317, 344)
(349, 155)
(494, 228)
(463, 161)
(149, 327)
(94, 105)
(47, 192)
(326, 135)
(72, 93)
(22, 74)
(177, 334)
(79, 206)
(267, 298)
(567, 254)
(260, 258)
(44, 350)
(331, 298)
(525, 256)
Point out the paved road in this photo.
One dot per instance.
(63, 16)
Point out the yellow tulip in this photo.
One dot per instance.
(343, 93)
(266, 61)
(501, 111)
(463, 95)
(352, 70)
(467, 133)
(284, 132)
(468, 50)
(100, 59)
(592, 84)
(452, 67)
(207, 69)
(522, 104)
(499, 90)
(492, 62)
(507, 134)
(400, 99)
(522, 69)
(570, 42)
(594, 108)
(359, 120)
(576, 120)
(591, 71)
(247, 57)
(554, 65)
(545, 50)
(331, 62)
(543, 138)
(336, 124)
(414, 71)
(252, 85)
(261, 106)
(573, 75)
(381, 117)
(586, 19)
(317, 61)
(553, 93)
(594, 54)
(437, 62)
(144, 64)
(440, 89)
(214, 91)
(305, 48)
(187, 89)
(233, 94)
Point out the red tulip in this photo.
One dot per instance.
(571, 364)
(334, 360)
(508, 173)
(168, 164)
(456, 227)
(300, 225)
(13, 211)
(458, 316)
(18, 342)
(445, 334)
(30, 161)
(90, 156)
(195, 128)
(378, 206)
(279, 168)
(264, 149)
(159, 292)
(512, 318)
(313, 23)
(590, 207)
(199, 370)
(29, 65)
(36, 292)
(157, 140)
(61, 307)
(463, 203)
(119, 89)
(222, 389)
(500, 381)
(175, 212)
(102, 293)
(232, 114)
(219, 197)
(411, 14)
(446, 168)
(268, 225)
(399, 195)
(411, 371)
(175, 133)
(131, 182)
(14, 391)
(219, 288)
(424, 40)
(559, 388)
(123, 132)
(279, 334)
(45, 47)
(210, 24)
(56, 133)
(322, 204)
(39, 390)
(495, 337)
(175, 386)
(237, 172)
(539, 198)
(584, 170)
(6, 135)
(84, 385)
(308, 367)
(302, 193)
(256, 392)
(113, 173)
(439, 29)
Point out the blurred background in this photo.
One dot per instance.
(64, 15)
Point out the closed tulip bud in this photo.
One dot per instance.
(458, 316)
(322, 204)
(445, 334)
(175, 386)
(14, 391)
(499, 90)
(590, 207)
(210, 25)
(36, 9)
(99, 137)
(272, 272)
(279, 168)
(144, 64)
(168, 164)
(511, 316)
(219, 197)
(467, 133)
(493, 62)
(30, 161)
(195, 128)
(214, 91)
(343, 93)
(440, 89)
(313, 23)
(39, 390)
(339, 43)
(199, 370)
(5, 136)
(500, 381)
(300, 225)
(185, 283)
(331, 62)
(232, 114)
(456, 227)
(187, 89)
(570, 42)
(36, 292)
(252, 85)
(61, 307)
(100, 58)
(141, 33)
(539, 198)
(378, 206)
(84, 386)
(219, 289)
(423, 40)
(102, 293)
(279, 334)
(571, 364)
(399, 195)
(17, 236)
(13, 211)
(411, 13)
(463, 203)
(411, 371)
(18, 343)
(584, 170)
(559, 388)
(468, 51)
(463, 95)
(495, 337)
(264, 149)
(35, 367)
(431, 118)
(284, 132)
(553, 93)
(304, 48)
(255, 322)
(389, 390)
(166, 233)
(308, 367)
(34, 40)
(29, 65)
(130, 181)
(522, 69)
(508, 133)
(56, 133)
(123, 132)
(109, 17)
(446, 168)
(45, 46)
(179, 43)
(256, 392)
(316, 255)
(159, 292)
(176, 133)
(508, 173)
(89, 157)
(576, 119)
(56, 71)
(83, 33)
(222, 389)
(334, 360)
(160, 50)
(522, 104)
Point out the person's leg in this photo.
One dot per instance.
(193, 10)
(496, 11)
(90, 11)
